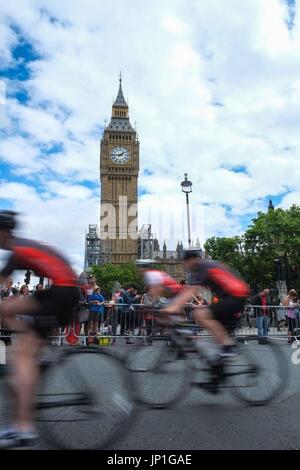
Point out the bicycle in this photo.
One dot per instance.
(84, 387)
(162, 372)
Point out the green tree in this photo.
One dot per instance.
(107, 274)
(270, 235)
(227, 250)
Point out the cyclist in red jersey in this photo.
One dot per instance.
(159, 284)
(155, 277)
(219, 318)
(49, 309)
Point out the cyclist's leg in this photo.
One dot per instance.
(25, 378)
(205, 318)
(29, 343)
(24, 371)
(220, 319)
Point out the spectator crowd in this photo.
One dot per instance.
(122, 314)
(266, 312)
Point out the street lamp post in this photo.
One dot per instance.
(186, 187)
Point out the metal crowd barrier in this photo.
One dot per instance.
(276, 317)
(134, 322)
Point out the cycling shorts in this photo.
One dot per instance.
(57, 309)
(226, 311)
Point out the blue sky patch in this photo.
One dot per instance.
(90, 185)
(18, 71)
(23, 53)
(239, 169)
(6, 171)
(54, 147)
(142, 191)
(6, 204)
(22, 96)
(291, 6)
(235, 169)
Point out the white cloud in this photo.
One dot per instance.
(59, 221)
(17, 150)
(74, 192)
(290, 199)
(212, 85)
(17, 192)
(174, 25)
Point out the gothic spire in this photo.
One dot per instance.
(271, 205)
(120, 100)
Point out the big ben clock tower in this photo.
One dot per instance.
(119, 169)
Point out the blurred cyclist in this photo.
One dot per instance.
(158, 282)
(49, 309)
(219, 318)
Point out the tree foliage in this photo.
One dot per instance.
(271, 235)
(107, 274)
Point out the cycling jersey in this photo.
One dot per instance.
(44, 261)
(156, 277)
(220, 279)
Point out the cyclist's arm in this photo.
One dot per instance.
(181, 299)
(195, 301)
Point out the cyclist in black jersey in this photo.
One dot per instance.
(49, 309)
(220, 318)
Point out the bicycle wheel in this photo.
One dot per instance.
(85, 400)
(258, 374)
(159, 373)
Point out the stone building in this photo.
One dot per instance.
(118, 239)
(119, 169)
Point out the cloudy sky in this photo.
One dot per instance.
(214, 88)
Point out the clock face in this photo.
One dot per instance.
(120, 155)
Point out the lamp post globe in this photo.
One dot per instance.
(186, 187)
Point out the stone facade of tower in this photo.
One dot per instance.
(119, 169)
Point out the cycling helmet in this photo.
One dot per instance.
(191, 252)
(8, 220)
